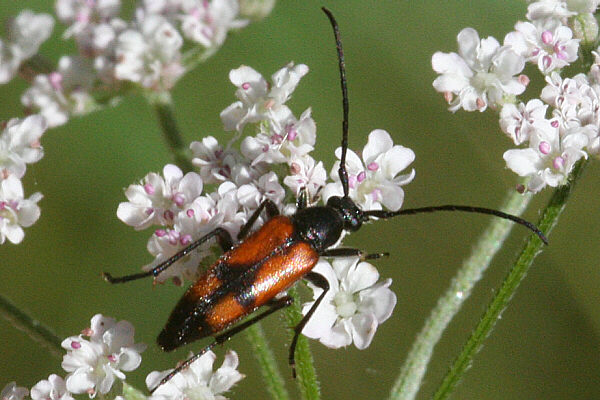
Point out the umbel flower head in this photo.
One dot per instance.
(559, 127)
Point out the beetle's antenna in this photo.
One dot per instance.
(451, 207)
(340, 51)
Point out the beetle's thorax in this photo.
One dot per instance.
(323, 226)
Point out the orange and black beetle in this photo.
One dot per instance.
(253, 272)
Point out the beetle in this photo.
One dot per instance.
(261, 266)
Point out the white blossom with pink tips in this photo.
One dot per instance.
(547, 43)
(257, 99)
(54, 388)
(95, 364)
(20, 144)
(16, 212)
(156, 200)
(480, 75)
(199, 380)
(374, 181)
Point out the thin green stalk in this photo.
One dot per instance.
(509, 286)
(163, 106)
(411, 375)
(306, 375)
(32, 327)
(266, 360)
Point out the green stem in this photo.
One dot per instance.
(411, 375)
(163, 106)
(266, 360)
(33, 328)
(509, 286)
(306, 375)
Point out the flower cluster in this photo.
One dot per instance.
(146, 51)
(114, 57)
(559, 127)
(19, 146)
(232, 180)
(97, 357)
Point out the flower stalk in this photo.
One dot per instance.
(518, 272)
(411, 375)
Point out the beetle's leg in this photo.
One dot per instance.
(319, 281)
(223, 238)
(272, 211)
(348, 252)
(302, 201)
(225, 336)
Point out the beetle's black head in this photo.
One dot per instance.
(352, 215)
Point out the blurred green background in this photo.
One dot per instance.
(547, 344)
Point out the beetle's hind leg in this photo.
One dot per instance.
(319, 281)
(223, 239)
(349, 252)
(225, 336)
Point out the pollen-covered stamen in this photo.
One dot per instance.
(523, 80)
(173, 237)
(547, 37)
(276, 139)
(560, 52)
(544, 147)
(554, 123)
(87, 332)
(55, 79)
(160, 232)
(373, 166)
(245, 85)
(75, 345)
(448, 96)
(291, 133)
(352, 181)
(190, 213)
(361, 176)
(295, 168)
(480, 103)
(546, 61)
(149, 189)
(558, 163)
(149, 210)
(112, 358)
(185, 240)
(178, 199)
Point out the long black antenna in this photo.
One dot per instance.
(340, 51)
(451, 207)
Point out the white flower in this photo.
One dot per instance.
(519, 121)
(62, 93)
(353, 307)
(480, 75)
(150, 55)
(9, 62)
(259, 100)
(20, 144)
(215, 162)
(203, 215)
(547, 43)
(16, 212)
(282, 139)
(84, 14)
(198, 381)
(52, 389)
(94, 364)
(305, 173)
(28, 31)
(549, 158)
(13, 392)
(155, 201)
(374, 180)
(560, 9)
(207, 23)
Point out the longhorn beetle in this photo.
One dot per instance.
(253, 272)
